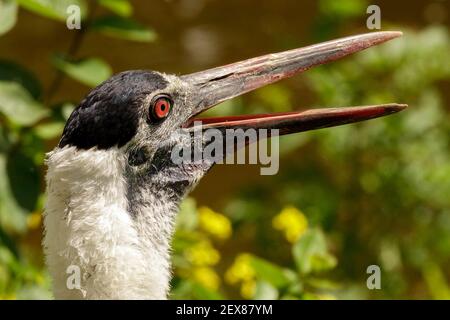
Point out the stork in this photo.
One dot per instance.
(112, 189)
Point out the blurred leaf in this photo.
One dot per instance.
(49, 131)
(32, 146)
(12, 216)
(310, 253)
(66, 109)
(90, 71)
(7, 242)
(187, 218)
(227, 108)
(323, 262)
(290, 143)
(23, 172)
(323, 284)
(265, 291)
(121, 7)
(123, 28)
(17, 104)
(436, 282)
(10, 71)
(54, 9)
(34, 292)
(277, 97)
(184, 239)
(4, 141)
(8, 15)
(187, 289)
(270, 272)
(343, 8)
(202, 293)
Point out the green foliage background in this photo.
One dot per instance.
(344, 199)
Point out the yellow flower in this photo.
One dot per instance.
(214, 223)
(248, 289)
(292, 222)
(34, 220)
(207, 277)
(240, 270)
(202, 254)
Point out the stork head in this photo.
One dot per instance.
(141, 112)
(113, 184)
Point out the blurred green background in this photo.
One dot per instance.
(345, 198)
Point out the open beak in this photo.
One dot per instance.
(216, 85)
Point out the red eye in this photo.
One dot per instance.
(161, 108)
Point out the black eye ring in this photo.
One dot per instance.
(160, 108)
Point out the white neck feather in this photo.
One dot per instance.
(88, 225)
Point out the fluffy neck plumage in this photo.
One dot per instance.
(120, 253)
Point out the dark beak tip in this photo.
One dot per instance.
(394, 108)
